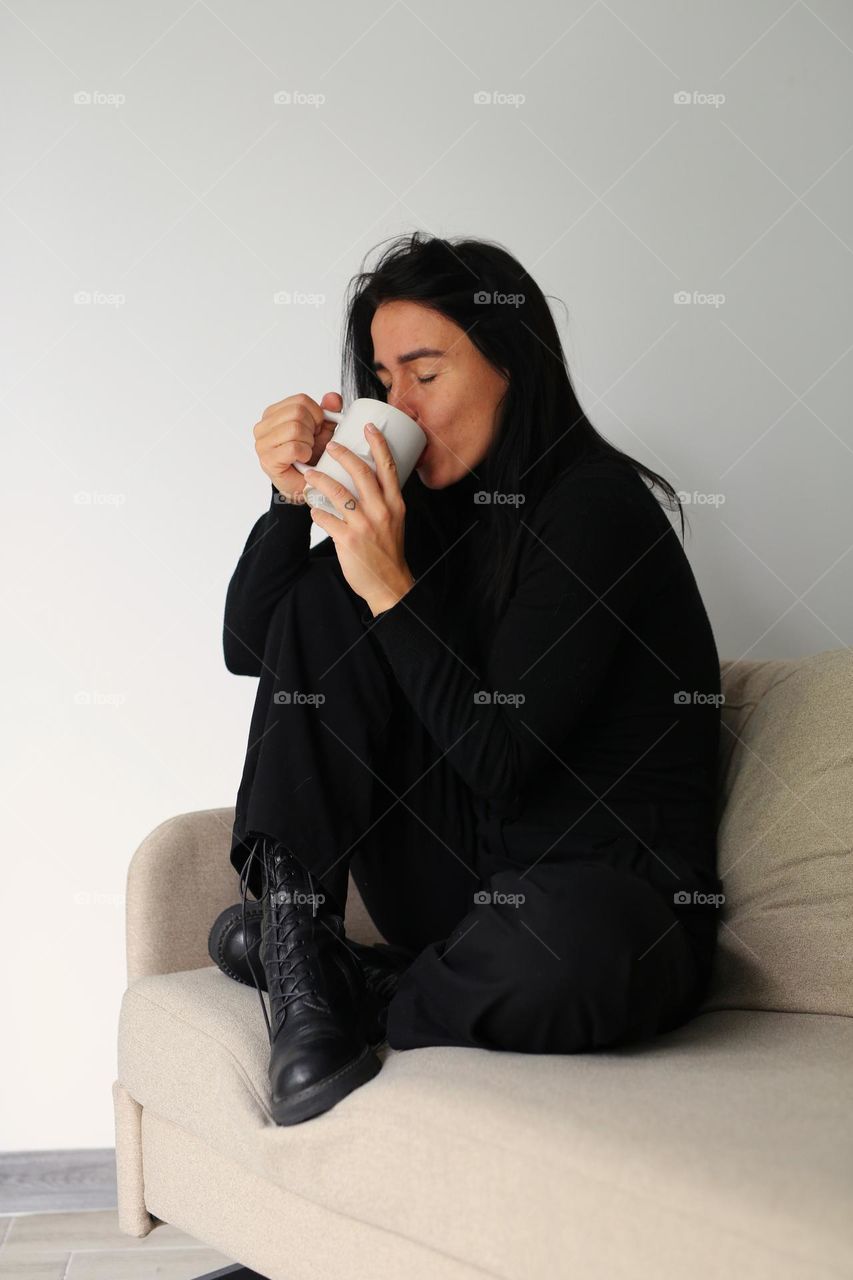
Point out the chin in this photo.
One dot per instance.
(429, 479)
(436, 470)
(425, 475)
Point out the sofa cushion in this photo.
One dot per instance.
(728, 1141)
(785, 836)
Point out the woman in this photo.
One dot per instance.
(492, 697)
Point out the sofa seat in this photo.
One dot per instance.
(722, 1148)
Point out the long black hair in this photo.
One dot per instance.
(541, 427)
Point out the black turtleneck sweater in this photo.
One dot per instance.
(593, 699)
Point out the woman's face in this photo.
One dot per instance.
(453, 393)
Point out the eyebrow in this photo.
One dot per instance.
(409, 356)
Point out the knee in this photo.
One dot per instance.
(564, 970)
(320, 592)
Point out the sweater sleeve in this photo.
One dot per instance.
(587, 558)
(277, 551)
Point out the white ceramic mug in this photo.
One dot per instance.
(405, 438)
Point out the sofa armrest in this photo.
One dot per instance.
(179, 880)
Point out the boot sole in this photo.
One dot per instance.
(320, 1097)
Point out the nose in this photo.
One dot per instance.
(406, 402)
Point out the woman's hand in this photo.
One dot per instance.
(369, 539)
(293, 430)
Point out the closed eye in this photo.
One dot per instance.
(431, 378)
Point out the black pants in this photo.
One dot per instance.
(570, 956)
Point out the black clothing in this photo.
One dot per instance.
(609, 642)
(594, 797)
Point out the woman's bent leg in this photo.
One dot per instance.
(416, 868)
(340, 769)
(566, 958)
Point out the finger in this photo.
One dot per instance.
(340, 496)
(335, 402)
(386, 467)
(320, 517)
(324, 429)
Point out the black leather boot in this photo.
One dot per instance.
(234, 949)
(318, 1005)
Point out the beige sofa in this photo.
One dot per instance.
(722, 1149)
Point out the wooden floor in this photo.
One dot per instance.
(89, 1246)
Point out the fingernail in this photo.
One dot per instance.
(333, 446)
(369, 427)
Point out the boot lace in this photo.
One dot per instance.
(284, 959)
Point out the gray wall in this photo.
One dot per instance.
(181, 197)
